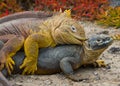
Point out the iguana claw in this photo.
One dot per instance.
(99, 63)
(29, 65)
(6, 60)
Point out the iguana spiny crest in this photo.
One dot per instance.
(64, 29)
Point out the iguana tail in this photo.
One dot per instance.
(26, 14)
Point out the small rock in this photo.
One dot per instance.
(90, 85)
(108, 66)
(95, 73)
(97, 78)
(114, 50)
(18, 84)
(48, 82)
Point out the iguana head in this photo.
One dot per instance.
(98, 42)
(95, 45)
(64, 29)
(67, 30)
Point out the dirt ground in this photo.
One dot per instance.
(97, 76)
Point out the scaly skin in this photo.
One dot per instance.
(65, 58)
(26, 14)
(35, 34)
(3, 80)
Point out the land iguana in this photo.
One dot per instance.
(35, 34)
(74, 51)
(66, 58)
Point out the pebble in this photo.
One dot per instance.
(18, 84)
(48, 82)
(95, 73)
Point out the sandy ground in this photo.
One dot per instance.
(97, 76)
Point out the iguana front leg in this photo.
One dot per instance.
(9, 49)
(66, 66)
(31, 47)
(30, 62)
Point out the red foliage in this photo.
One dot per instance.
(4, 13)
(87, 9)
(50, 4)
(8, 7)
(90, 9)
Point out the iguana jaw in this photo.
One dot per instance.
(68, 37)
(79, 38)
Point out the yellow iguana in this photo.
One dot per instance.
(35, 34)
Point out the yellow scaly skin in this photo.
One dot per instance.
(51, 37)
(60, 29)
(31, 46)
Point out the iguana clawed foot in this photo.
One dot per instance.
(9, 64)
(29, 65)
(7, 61)
(99, 63)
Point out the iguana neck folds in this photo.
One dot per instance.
(90, 55)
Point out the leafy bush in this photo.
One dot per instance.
(89, 9)
(111, 17)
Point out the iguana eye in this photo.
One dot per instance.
(99, 41)
(73, 29)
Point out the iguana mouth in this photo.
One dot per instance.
(78, 37)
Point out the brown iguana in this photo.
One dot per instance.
(65, 58)
(35, 34)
